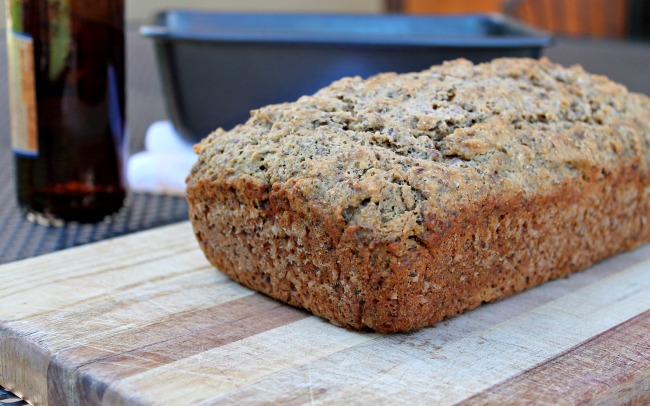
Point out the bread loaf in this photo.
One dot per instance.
(398, 201)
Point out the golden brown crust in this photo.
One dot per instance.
(396, 202)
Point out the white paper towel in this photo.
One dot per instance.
(164, 164)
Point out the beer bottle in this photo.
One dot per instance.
(67, 99)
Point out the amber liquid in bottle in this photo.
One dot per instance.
(76, 172)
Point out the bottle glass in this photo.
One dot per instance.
(67, 98)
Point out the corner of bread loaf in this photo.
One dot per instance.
(269, 240)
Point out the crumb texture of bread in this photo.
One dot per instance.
(398, 201)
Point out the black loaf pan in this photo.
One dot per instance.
(216, 67)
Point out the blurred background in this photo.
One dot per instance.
(599, 18)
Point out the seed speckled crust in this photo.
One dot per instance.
(398, 201)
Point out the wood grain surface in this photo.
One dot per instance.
(144, 319)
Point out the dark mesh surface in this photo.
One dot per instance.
(23, 239)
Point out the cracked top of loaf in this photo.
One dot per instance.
(387, 152)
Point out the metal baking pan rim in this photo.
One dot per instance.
(529, 36)
(449, 42)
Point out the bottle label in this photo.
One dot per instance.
(22, 93)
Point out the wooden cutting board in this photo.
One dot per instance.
(144, 319)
